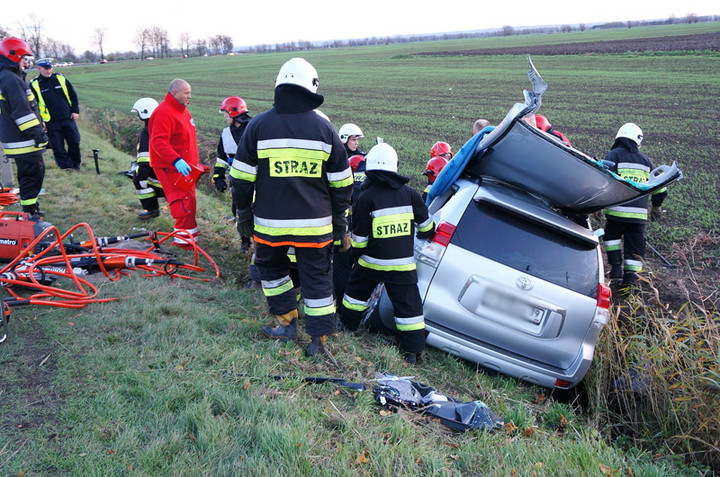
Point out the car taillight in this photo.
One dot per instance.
(603, 296)
(430, 253)
(443, 233)
(561, 383)
(603, 303)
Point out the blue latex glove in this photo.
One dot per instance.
(182, 166)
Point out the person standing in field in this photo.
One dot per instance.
(291, 160)
(350, 135)
(146, 183)
(237, 117)
(60, 110)
(173, 151)
(625, 224)
(21, 132)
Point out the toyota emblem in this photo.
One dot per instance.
(523, 283)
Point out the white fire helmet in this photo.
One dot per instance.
(144, 107)
(631, 131)
(381, 157)
(347, 130)
(299, 72)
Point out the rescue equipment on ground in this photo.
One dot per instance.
(395, 392)
(44, 258)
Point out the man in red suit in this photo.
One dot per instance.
(173, 154)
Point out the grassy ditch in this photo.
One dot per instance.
(173, 379)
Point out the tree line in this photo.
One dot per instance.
(154, 42)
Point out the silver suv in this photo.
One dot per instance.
(510, 280)
(510, 284)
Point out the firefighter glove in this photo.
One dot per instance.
(41, 140)
(244, 221)
(340, 228)
(655, 213)
(220, 183)
(182, 166)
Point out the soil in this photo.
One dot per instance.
(704, 41)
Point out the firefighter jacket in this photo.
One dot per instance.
(227, 146)
(172, 135)
(294, 162)
(385, 215)
(56, 97)
(629, 163)
(21, 131)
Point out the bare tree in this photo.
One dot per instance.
(3, 32)
(32, 31)
(185, 44)
(507, 30)
(142, 41)
(159, 41)
(98, 39)
(201, 47)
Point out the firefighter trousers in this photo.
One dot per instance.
(315, 273)
(31, 173)
(407, 309)
(625, 245)
(148, 191)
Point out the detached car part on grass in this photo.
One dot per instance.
(509, 281)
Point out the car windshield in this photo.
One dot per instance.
(528, 247)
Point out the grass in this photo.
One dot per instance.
(172, 379)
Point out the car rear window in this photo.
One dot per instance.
(529, 247)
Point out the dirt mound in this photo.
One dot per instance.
(705, 41)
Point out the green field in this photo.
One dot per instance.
(172, 378)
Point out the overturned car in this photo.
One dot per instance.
(511, 280)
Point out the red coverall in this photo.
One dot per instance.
(172, 136)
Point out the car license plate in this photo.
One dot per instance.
(512, 306)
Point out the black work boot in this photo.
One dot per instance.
(148, 214)
(280, 332)
(33, 210)
(616, 271)
(316, 346)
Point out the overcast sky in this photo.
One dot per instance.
(277, 21)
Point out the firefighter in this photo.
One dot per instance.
(350, 135)
(441, 149)
(385, 216)
(432, 170)
(294, 163)
(146, 183)
(21, 131)
(625, 224)
(236, 115)
(173, 153)
(60, 110)
(543, 124)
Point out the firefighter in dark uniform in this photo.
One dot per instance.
(236, 114)
(21, 131)
(146, 183)
(625, 224)
(292, 159)
(385, 216)
(59, 109)
(350, 135)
